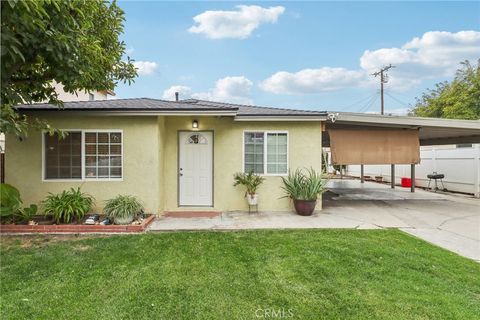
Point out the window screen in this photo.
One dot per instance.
(254, 148)
(276, 153)
(63, 157)
(103, 155)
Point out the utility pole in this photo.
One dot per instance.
(383, 79)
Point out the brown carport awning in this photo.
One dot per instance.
(381, 146)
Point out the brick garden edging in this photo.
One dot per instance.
(76, 228)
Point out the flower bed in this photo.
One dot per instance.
(76, 228)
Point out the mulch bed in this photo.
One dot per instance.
(75, 228)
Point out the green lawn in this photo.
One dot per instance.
(382, 274)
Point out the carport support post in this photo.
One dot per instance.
(392, 176)
(362, 178)
(412, 177)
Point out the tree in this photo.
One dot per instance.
(459, 99)
(75, 43)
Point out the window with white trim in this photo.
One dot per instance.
(63, 157)
(266, 152)
(103, 155)
(87, 154)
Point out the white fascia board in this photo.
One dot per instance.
(279, 118)
(139, 113)
(407, 121)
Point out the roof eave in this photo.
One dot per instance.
(280, 118)
(84, 112)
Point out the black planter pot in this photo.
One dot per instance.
(305, 207)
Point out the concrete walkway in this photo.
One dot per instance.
(449, 221)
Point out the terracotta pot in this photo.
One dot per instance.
(252, 199)
(305, 207)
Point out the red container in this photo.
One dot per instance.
(406, 182)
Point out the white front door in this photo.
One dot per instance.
(195, 168)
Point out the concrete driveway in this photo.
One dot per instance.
(449, 221)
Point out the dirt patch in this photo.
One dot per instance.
(37, 241)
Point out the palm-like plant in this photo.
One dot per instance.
(251, 181)
(301, 185)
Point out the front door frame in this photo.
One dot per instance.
(178, 168)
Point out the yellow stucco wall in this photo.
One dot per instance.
(150, 160)
(23, 163)
(304, 151)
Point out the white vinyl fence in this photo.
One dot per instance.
(459, 164)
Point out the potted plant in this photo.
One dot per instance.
(251, 181)
(304, 188)
(122, 209)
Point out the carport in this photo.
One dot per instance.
(369, 139)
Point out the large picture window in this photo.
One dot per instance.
(266, 152)
(83, 155)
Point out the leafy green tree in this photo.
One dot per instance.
(459, 99)
(75, 43)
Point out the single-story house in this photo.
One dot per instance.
(182, 155)
(173, 155)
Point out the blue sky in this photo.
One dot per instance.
(309, 55)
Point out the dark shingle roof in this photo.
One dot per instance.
(250, 110)
(147, 104)
(144, 104)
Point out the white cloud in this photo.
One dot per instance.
(183, 91)
(129, 50)
(237, 24)
(229, 89)
(312, 80)
(145, 67)
(434, 54)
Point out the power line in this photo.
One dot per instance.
(398, 100)
(369, 103)
(361, 100)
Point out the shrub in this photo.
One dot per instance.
(250, 180)
(122, 209)
(303, 186)
(11, 205)
(68, 205)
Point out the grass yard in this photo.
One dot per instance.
(382, 274)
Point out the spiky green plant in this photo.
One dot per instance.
(10, 205)
(251, 181)
(122, 208)
(67, 206)
(301, 185)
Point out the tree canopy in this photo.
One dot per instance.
(75, 43)
(458, 99)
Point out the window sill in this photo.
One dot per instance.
(83, 180)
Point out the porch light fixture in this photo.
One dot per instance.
(195, 124)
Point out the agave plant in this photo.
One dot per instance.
(251, 181)
(122, 209)
(67, 206)
(301, 185)
(11, 205)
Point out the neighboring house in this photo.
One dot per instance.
(171, 155)
(81, 95)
